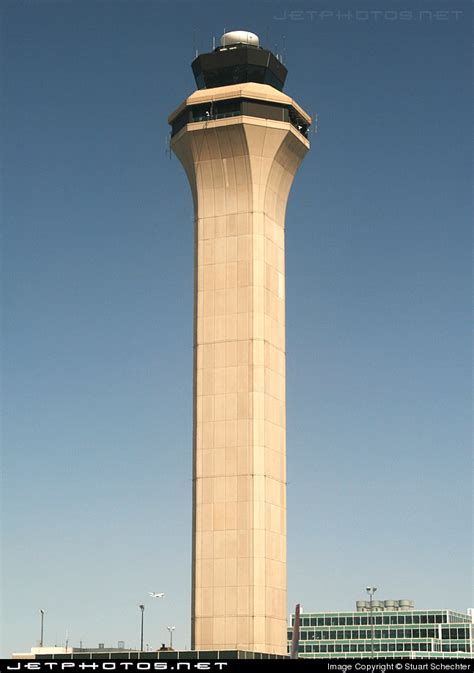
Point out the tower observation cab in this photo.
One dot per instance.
(240, 60)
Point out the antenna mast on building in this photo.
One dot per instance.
(296, 634)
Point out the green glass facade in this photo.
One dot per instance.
(407, 634)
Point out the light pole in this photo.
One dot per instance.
(171, 629)
(42, 625)
(371, 591)
(142, 608)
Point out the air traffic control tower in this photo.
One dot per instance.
(240, 140)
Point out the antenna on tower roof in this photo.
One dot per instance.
(168, 145)
(195, 49)
(283, 53)
(314, 123)
(213, 43)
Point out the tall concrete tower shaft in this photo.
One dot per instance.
(240, 142)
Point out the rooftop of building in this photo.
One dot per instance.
(397, 607)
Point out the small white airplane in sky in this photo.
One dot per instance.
(155, 595)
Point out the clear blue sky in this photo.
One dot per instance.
(97, 310)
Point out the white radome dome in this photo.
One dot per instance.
(239, 37)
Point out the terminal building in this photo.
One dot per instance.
(399, 631)
(123, 654)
